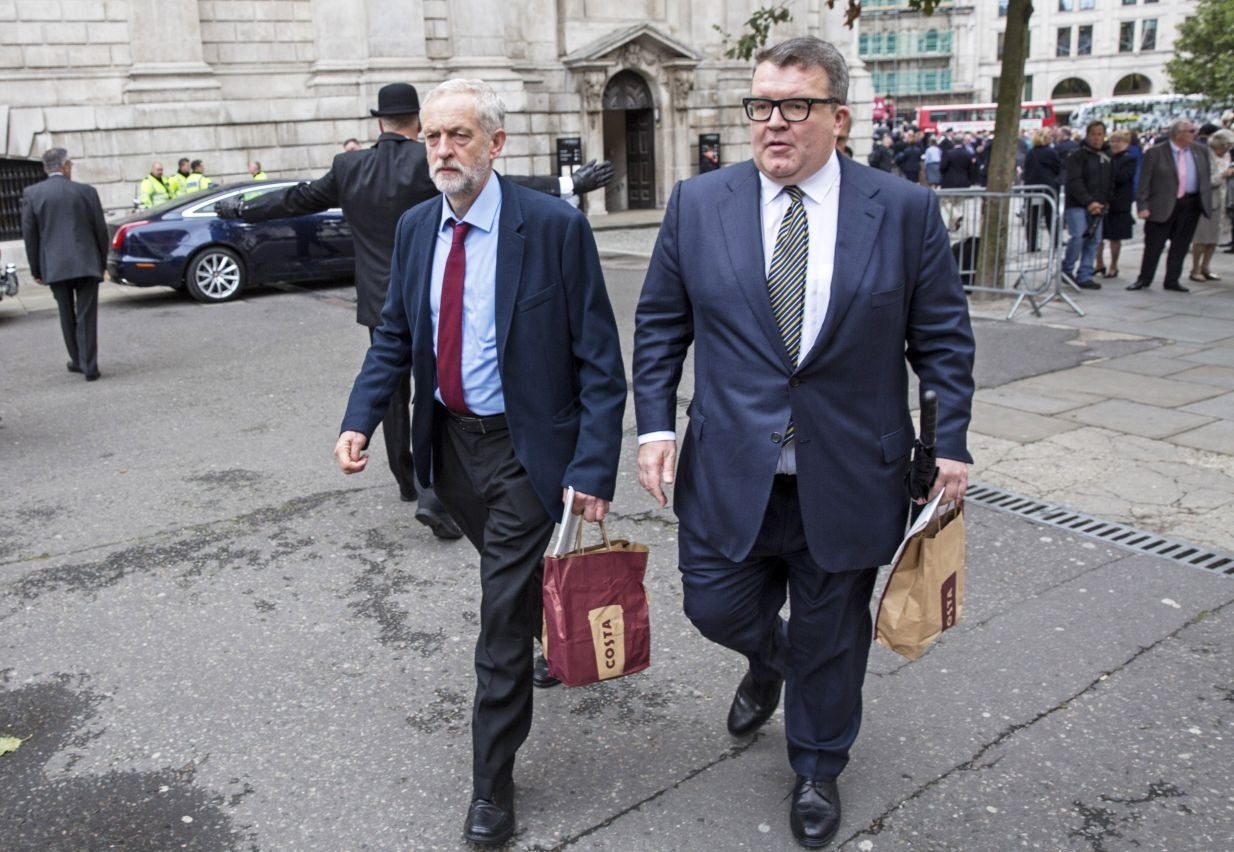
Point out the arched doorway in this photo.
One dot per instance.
(1072, 87)
(629, 141)
(1133, 84)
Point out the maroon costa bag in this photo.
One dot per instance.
(596, 624)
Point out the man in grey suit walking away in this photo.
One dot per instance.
(66, 246)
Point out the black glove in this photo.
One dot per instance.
(230, 208)
(592, 175)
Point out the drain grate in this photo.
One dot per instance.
(1111, 532)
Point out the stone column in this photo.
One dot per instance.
(165, 46)
(478, 39)
(342, 47)
(590, 79)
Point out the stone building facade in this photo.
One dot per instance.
(122, 83)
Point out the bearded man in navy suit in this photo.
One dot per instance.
(803, 280)
(497, 305)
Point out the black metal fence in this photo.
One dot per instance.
(15, 176)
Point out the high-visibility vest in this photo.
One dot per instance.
(196, 183)
(260, 176)
(153, 191)
(176, 184)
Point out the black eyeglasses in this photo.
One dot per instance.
(791, 109)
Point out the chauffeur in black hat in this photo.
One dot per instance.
(374, 186)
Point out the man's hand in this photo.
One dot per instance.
(657, 463)
(230, 208)
(1144, 214)
(592, 175)
(1096, 208)
(592, 509)
(952, 479)
(348, 452)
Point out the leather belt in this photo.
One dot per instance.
(482, 425)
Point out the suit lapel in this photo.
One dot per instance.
(424, 245)
(860, 217)
(740, 215)
(510, 242)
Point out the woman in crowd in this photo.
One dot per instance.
(1119, 220)
(1042, 167)
(1208, 232)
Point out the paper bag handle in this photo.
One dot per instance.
(578, 537)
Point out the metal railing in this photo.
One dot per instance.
(1008, 244)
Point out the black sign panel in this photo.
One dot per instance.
(569, 154)
(708, 152)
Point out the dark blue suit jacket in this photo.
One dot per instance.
(895, 293)
(558, 350)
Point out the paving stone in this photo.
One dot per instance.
(1015, 425)
(1146, 364)
(1221, 355)
(1217, 406)
(1201, 329)
(1209, 374)
(1121, 385)
(1217, 436)
(1036, 403)
(1134, 418)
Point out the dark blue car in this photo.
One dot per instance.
(183, 243)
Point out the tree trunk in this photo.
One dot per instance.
(1000, 175)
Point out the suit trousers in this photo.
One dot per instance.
(479, 480)
(821, 650)
(1178, 229)
(396, 434)
(78, 301)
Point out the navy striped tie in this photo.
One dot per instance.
(786, 281)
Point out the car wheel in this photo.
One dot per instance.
(215, 275)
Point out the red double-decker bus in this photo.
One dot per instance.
(969, 118)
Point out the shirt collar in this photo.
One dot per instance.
(483, 211)
(1177, 150)
(815, 187)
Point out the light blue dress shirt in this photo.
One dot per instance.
(481, 379)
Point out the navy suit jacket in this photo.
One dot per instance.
(895, 294)
(558, 350)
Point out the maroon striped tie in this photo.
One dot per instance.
(450, 323)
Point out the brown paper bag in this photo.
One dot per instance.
(596, 623)
(924, 594)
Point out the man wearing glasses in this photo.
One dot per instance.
(803, 280)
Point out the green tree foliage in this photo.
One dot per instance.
(1203, 51)
(758, 27)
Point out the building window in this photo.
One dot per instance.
(1148, 34)
(1084, 41)
(1072, 87)
(1064, 42)
(1066, 5)
(1002, 8)
(1028, 87)
(1126, 37)
(1087, 5)
(863, 44)
(891, 43)
(1128, 2)
(1002, 37)
(930, 41)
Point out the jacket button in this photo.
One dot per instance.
(794, 381)
(776, 437)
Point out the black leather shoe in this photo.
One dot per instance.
(1088, 285)
(752, 705)
(540, 678)
(93, 377)
(433, 515)
(1178, 288)
(73, 368)
(490, 822)
(814, 815)
(1138, 285)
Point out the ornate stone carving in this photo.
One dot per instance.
(593, 90)
(683, 82)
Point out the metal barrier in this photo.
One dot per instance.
(1008, 244)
